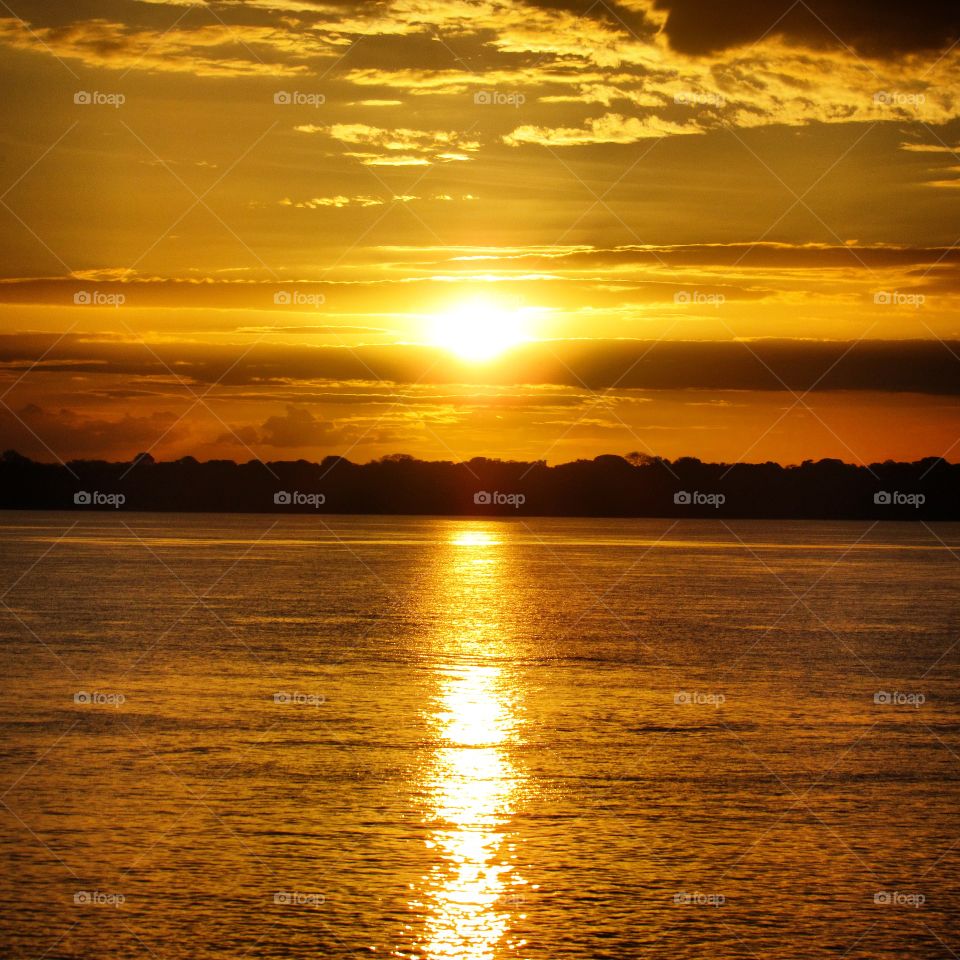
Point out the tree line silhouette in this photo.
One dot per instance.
(636, 485)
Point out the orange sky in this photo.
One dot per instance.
(283, 229)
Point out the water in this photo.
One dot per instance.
(437, 738)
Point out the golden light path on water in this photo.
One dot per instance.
(472, 889)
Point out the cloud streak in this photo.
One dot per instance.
(905, 366)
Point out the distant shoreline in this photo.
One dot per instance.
(636, 486)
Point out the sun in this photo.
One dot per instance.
(478, 330)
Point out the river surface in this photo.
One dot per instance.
(313, 736)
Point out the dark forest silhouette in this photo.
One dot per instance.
(635, 485)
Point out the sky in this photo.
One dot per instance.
(283, 229)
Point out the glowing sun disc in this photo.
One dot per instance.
(477, 330)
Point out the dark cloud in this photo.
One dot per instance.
(66, 433)
(608, 12)
(753, 256)
(298, 427)
(908, 366)
(883, 28)
(897, 366)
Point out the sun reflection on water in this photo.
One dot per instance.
(469, 893)
(474, 538)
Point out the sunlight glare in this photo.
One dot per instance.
(478, 330)
(474, 538)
